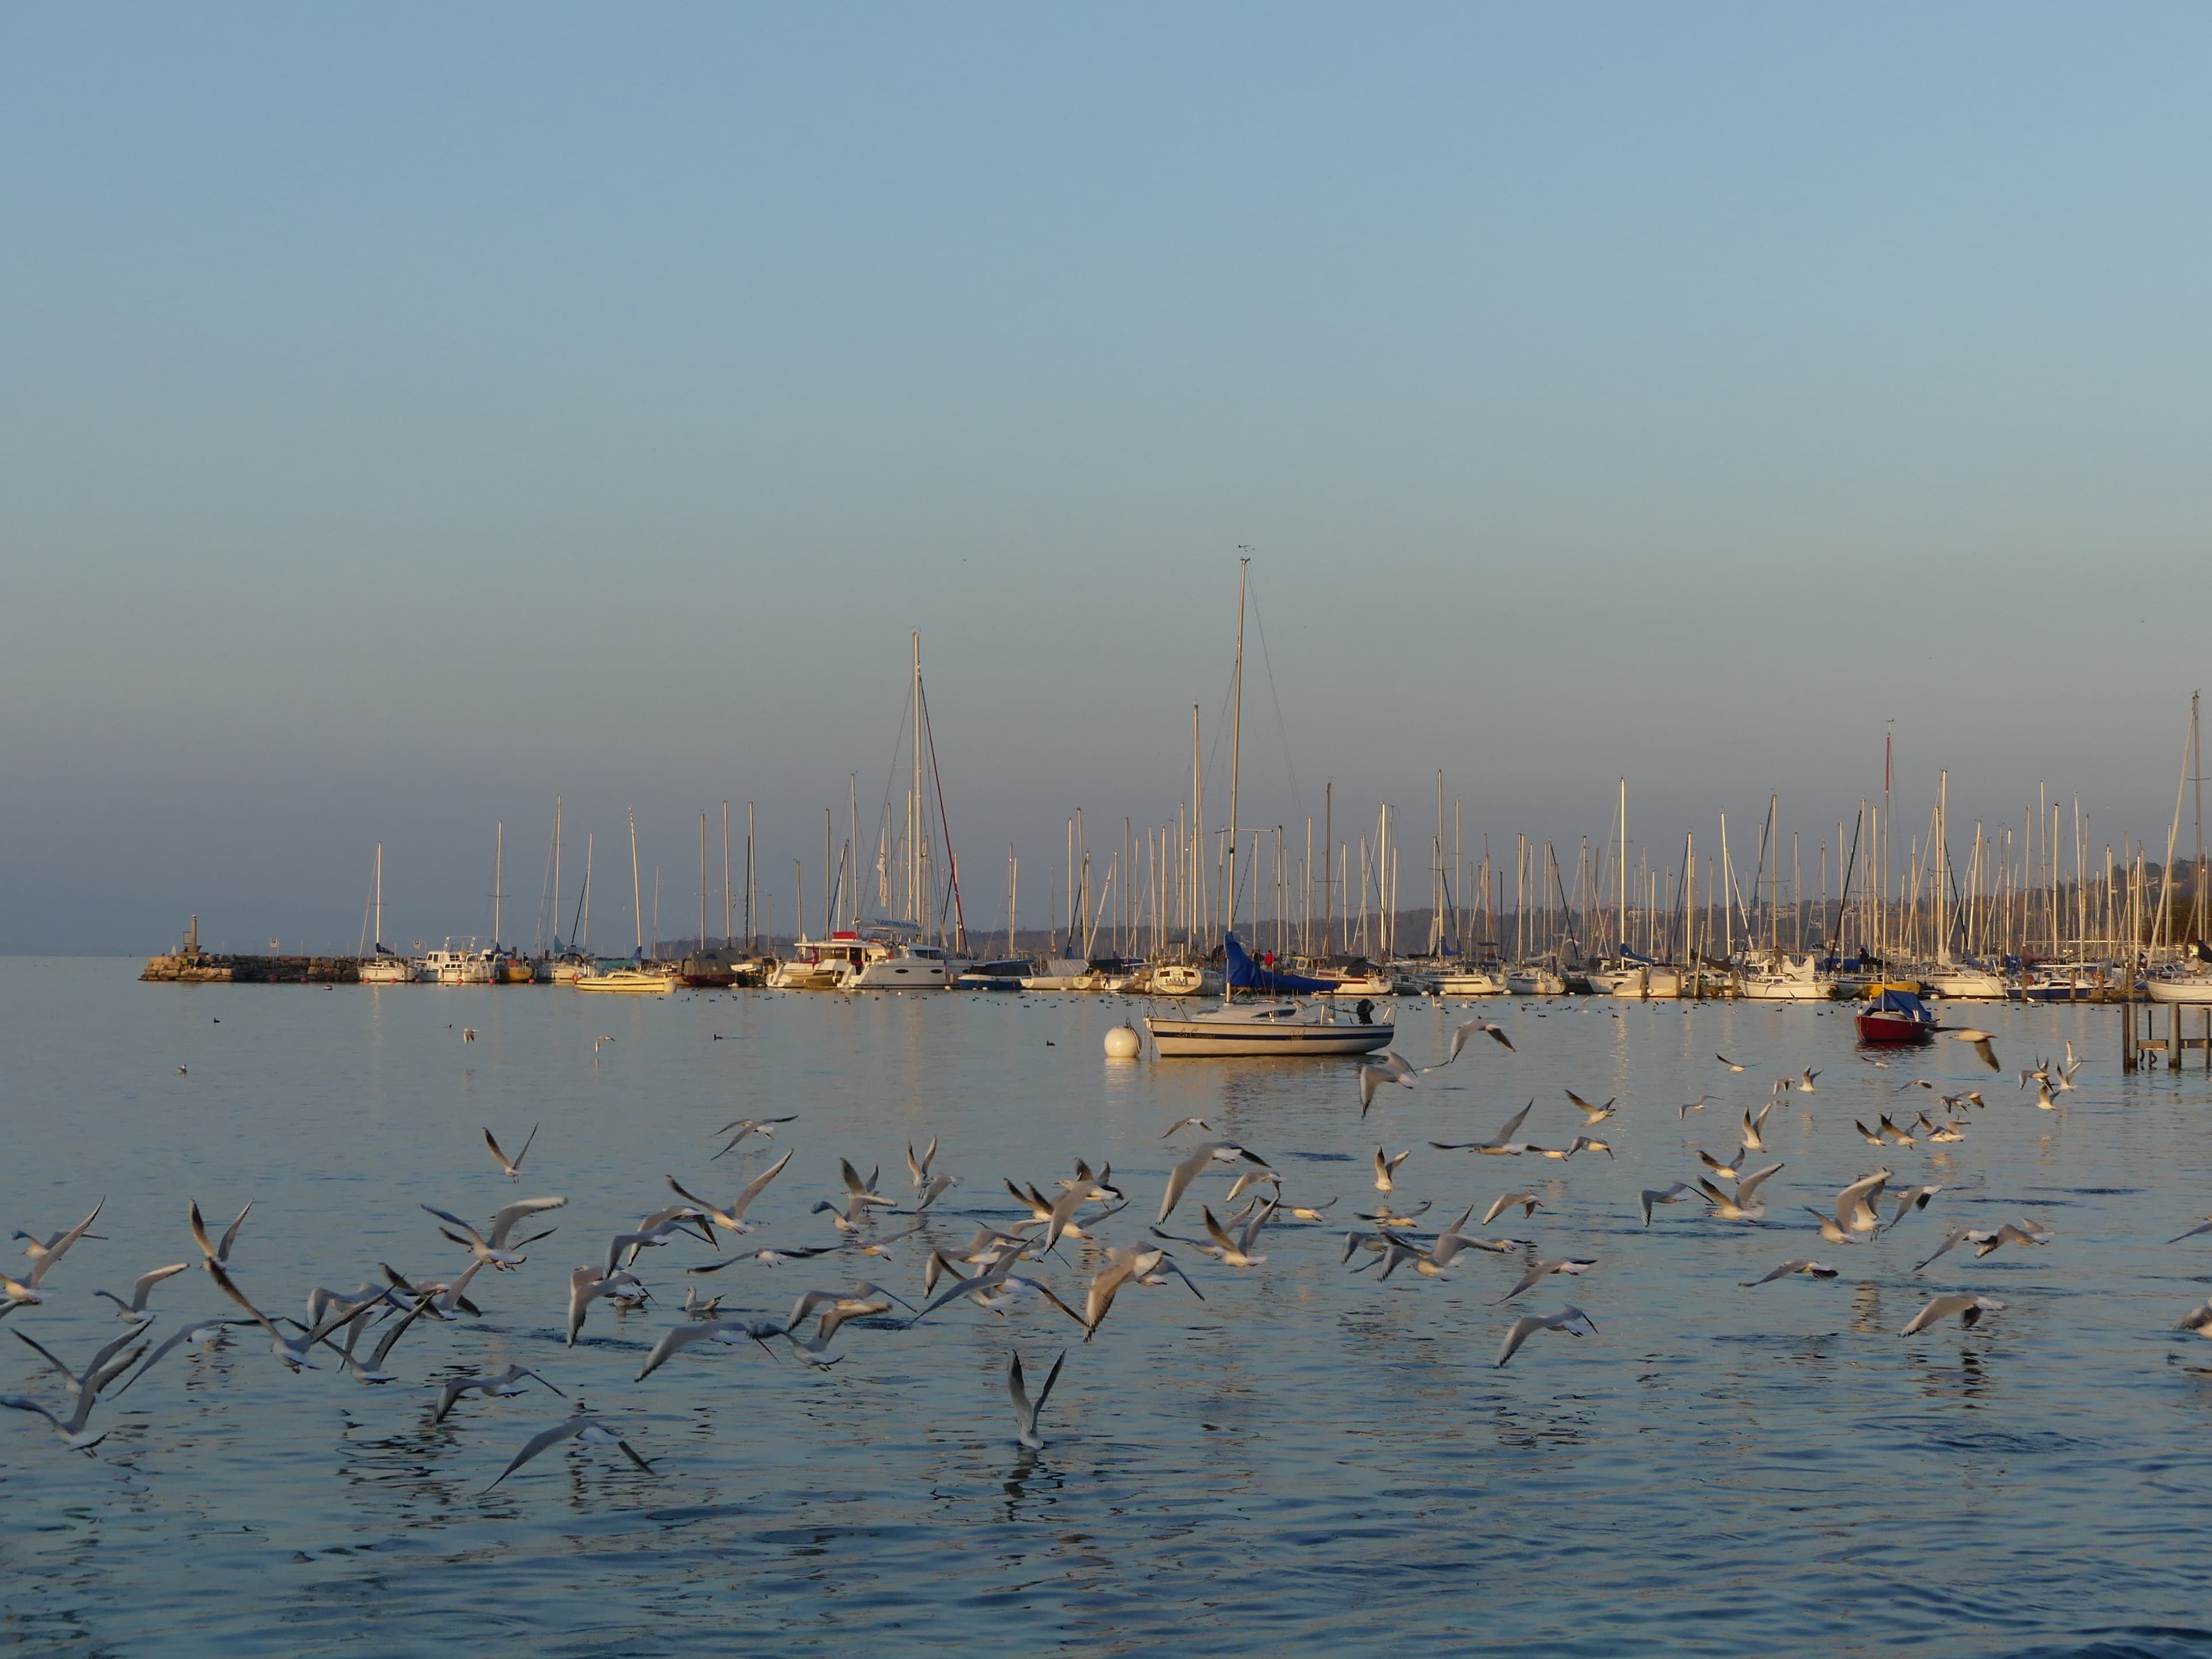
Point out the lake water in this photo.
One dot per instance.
(1308, 1460)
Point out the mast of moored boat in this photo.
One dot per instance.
(1236, 747)
(498, 868)
(636, 892)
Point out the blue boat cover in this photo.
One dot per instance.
(1246, 975)
(1902, 1002)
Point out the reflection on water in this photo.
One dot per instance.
(1309, 1458)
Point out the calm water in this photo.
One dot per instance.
(1307, 1460)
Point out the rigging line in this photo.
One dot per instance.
(1282, 726)
(898, 745)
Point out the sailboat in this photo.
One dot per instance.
(383, 967)
(1286, 1025)
(638, 978)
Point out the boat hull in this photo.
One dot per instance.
(1190, 1039)
(2195, 990)
(631, 983)
(1893, 1029)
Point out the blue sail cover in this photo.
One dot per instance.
(1246, 975)
(1905, 1003)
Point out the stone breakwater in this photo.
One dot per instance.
(201, 967)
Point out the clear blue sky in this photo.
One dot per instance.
(407, 412)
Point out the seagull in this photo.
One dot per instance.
(1970, 1308)
(766, 1258)
(1737, 1206)
(203, 1331)
(1385, 1169)
(1236, 1250)
(919, 1167)
(1571, 1320)
(142, 1290)
(1187, 1123)
(1025, 1412)
(18, 1291)
(597, 1041)
(1592, 1115)
(1528, 1203)
(1674, 1194)
(732, 1220)
(1805, 1082)
(1730, 1064)
(2198, 1320)
(1310, 1212)
(1811, 1269)
(1913, 1198)
(655, 1231)
(1855, 1211)
(1567, 1264)
(1373, 1078)
(293, 1351)
(589, 1430)
(375, 1371)
(1982, 1041)
(1180, 1177)
(494, 1249)
(1579, 1144)
(512, 1166)
(1697, 1105)
(54, 1246)
(505, 1384)
(762, 1127)
(586, 1285)
(1985, 1242)
(70, 1431)
(468, 1034)
(1755, 1128)
(728, 1332)
(1462, 1033)
(1501, 1144)
(937, 1188)
(1143, 1265)
(1727, 1171)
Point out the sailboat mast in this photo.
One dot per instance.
(498, 869)
(583, 929)
(702, 883)
(380, 897)
(637, 894)
(726, 875)
(914, 808)
(556, 874)
(1236, 744)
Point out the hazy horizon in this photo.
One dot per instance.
(409, 416)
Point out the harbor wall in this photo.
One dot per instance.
(202, 968)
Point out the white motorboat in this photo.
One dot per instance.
(1965, 982)
(1534, 978)
(1468, 983)
(448, 966)
(1182, 979)
(1290, 1028)
(908, 968)
(835, 963)
(1792, 981)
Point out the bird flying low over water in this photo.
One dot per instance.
(589, 1430)
(1571, 1320)
(1970, 1308)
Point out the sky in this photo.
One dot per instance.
(408, 413)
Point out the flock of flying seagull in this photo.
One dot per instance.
(1000, 1267)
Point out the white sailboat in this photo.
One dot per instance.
(639, 979)
(1285, 1028)
(383, 967)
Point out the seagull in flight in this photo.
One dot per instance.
(1027, 1412)
(511, 1166)
(587, 1429)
